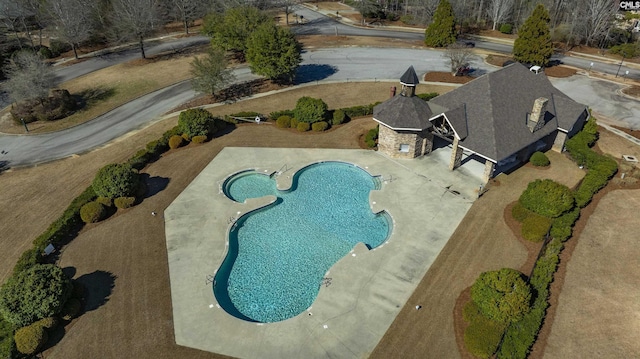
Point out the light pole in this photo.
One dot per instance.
(621, 61)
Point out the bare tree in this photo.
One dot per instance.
(188, 11)
(73, 21)
(135, 19)
(459, 57)
(28, 77)
(499, 10)
(287, 6)
(597, 19)
(12, 15)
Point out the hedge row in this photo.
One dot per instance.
(482, 336)
(520, 336)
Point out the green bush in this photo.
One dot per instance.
(195, 122)
(535, 227)
(58, 47)
(140, 159)
(277, 114)
(156, 147)
(407, 20)
(371, 138)
(30, 338)
(596, 179)
(45, 53)
(506, 28)
(175, 141)
(124, 202)
(303, 126)
(92, 212)
(310, 109)
(28, 259)
(427, 96)
(184, 137)
(502, 295)
(319, 126)
(547, 198)
(105, 201)
(116, 180)
(294, 122)
(482, 336)
(562, 227)
(519, 213)
(7, 344)
(35, 293)
(539, 159)
(47, 323)
(283, 121)
(339, 117)
(71, 309)
(199, 139)
(359, 111)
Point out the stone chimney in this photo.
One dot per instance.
(536, 117)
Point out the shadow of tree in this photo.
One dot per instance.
(155, 184)
(4, 165)
(89, 97)
(314, 72)
(98, 287)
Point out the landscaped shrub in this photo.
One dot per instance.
(156, 147)
(319, 126)
(427, 96)
(535, 227)
(45, 53)
(358, 111)
(124, 202)
(57, 47)
(539, 159)
(294, 122)
(7, 344)
(547, 198)
(116, 180)
(303, 126)
(562, 227)
(185, 137)
(30, 338)
(195, 122)
(310, 109)
(199, 139)
(506, 28)
(482, 336)
(35, 293)
(339, 117)
(519, 213)
(71, 309)
(175, 141)
(371, 138)
(47, 323)
(502, 295)
(597, 177)
(92, 212)
(283, 121)
(105, 201)
(140, 159)
(29, 258)
(277, 114)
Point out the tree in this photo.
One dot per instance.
(116, 180)
(442, 31)
(533, 44)
(598, 18)
(274, 52)
(310, 110)
(28, 77)
(459, 57)
(547, 198)
(188, 11)
(499, 11)
(73, 21)
(230, 31)
(196, 122)
(210, 73)
(135, 19)
(35, 293)
(502, 295)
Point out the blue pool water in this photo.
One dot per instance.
(279, 254)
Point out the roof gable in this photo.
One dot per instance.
(403, 113)
(409, 77)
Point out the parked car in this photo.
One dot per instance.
(469, 44)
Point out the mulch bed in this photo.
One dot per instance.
(446, 77)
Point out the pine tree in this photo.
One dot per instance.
(442, 30)
(533, 44)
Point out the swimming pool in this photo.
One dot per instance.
(278, 254)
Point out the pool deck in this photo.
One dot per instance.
(367, 288)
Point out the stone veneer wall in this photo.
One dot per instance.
(389, 142)
(558, 144)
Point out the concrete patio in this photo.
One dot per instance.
(368, 288)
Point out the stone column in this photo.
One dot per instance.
(427, 145)
(558, 144)
(488, 170)
(456, 155)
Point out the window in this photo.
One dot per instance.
(404, 148)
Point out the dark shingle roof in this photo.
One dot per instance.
(409, 77)
(404, 113)
(497, 105)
